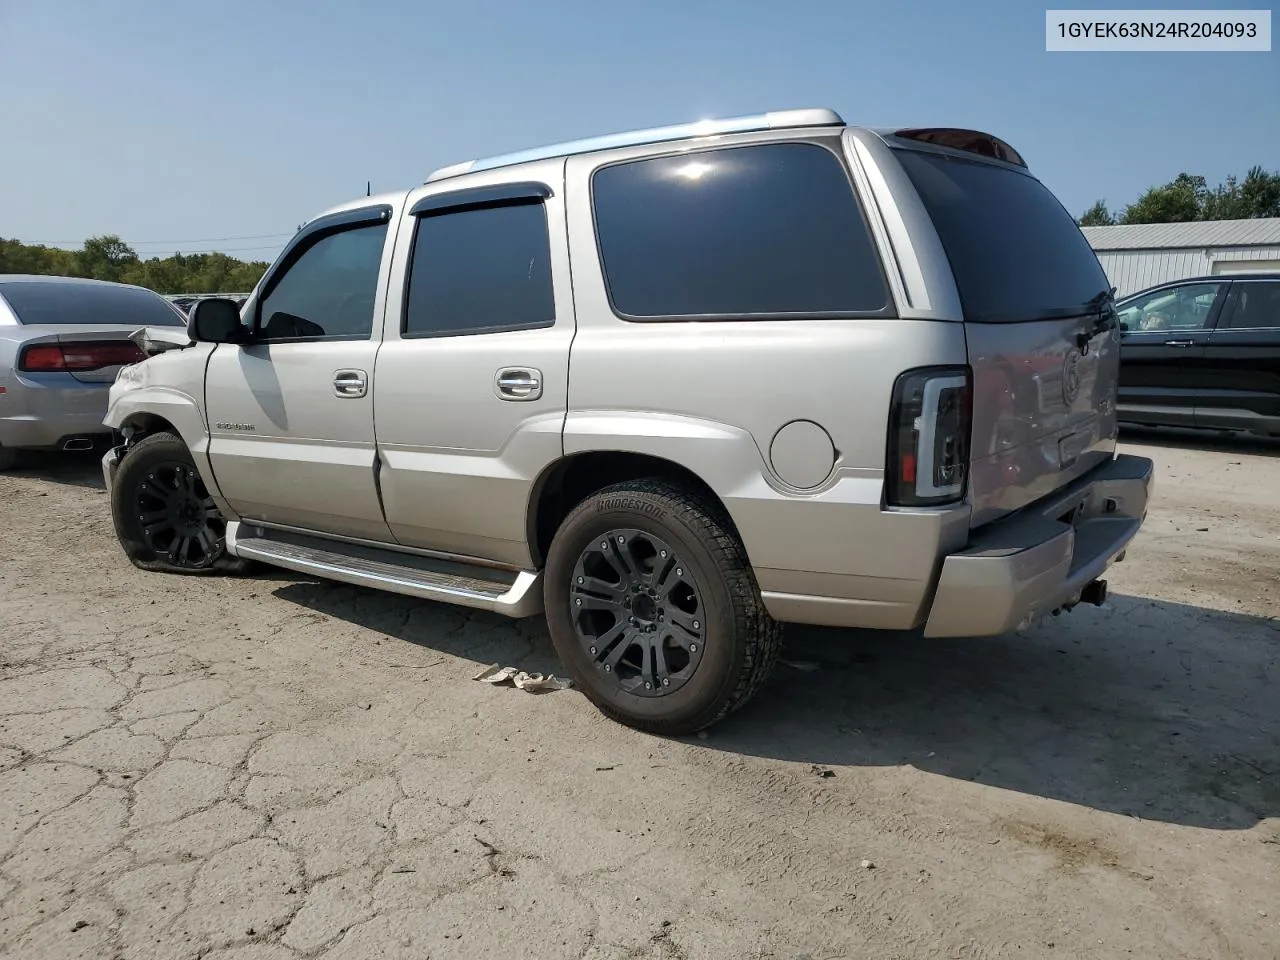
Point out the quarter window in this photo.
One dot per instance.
(328, 292)
(480, 270)
(736, 232)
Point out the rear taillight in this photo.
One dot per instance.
(78, 357)
(929, 426)
(42, 358)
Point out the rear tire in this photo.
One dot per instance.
(164, 516)
(8, 458)
(654, 609)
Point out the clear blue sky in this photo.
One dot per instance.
(165, 120)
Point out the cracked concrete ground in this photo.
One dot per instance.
(270, 768)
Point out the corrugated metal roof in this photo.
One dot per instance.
(1207, 233)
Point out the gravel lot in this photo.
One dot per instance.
(272, 768)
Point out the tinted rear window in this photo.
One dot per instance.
(39, 304)
(480, 270)
(1015, 252)
(1257, 306)
(744, 231)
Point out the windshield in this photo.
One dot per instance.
(39, 303)
(1015, 252)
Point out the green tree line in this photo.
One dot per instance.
(110, 258)
(1189, 197)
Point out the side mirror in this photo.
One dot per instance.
(215, 320)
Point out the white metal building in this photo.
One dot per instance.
(1141, 255)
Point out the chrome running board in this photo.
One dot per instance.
(511, 593)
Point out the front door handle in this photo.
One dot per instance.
(518, 383)
(350, 383)
(1179, 343)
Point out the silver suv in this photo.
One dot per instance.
(672, 388)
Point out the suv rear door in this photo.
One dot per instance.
(1162, 354)
(1039, 324)
(472, 381)
(1241, 387)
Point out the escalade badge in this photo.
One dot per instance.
(243, 427)
(1071, 378)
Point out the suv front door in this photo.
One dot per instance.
(473, 377)
(1243, 361)
(1162, 354)
(291, 439)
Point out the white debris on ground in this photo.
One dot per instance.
(529, 682)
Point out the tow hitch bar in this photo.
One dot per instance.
(1094, 592)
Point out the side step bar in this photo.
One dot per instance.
(513, 594)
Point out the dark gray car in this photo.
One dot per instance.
(1203, 352)
(62, 341)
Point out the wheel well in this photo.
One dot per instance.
(145, 424)
(571, 480)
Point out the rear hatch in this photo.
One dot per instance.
(1043, 342)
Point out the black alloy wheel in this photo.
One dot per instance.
(179, 519)
(638, 612)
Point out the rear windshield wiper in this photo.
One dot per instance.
(1099, 300)
(1099, 309)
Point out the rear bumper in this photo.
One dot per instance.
(45, 411)
(1018, 569)
(55, 434)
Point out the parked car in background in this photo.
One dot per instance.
(671, 388)
(62, 340)
(182, 303)
(1203, 353)
(185, 302)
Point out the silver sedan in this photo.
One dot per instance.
(62, 341)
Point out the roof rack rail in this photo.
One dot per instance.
(773, 120)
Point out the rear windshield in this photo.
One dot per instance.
(1015, 252)
(40, 304)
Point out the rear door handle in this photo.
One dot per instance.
(518, 383)
(1179, 343)
(350, 383)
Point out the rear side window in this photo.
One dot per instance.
(738, 232)
(1016, 254)
(1257, 305)
(480, 270)
(40, 303)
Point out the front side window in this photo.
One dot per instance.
(1187, 307)
(737, 232)
(480, 270)
(328, 292)
(1257, 306)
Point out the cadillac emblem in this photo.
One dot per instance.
(1071, 377)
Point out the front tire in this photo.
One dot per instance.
(654, 609)
(163, 514)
